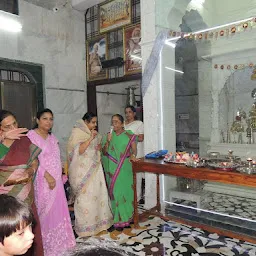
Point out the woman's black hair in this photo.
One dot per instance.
(14, 215)
(133, 109)
(88, 116)
(5, 113)
(120, 117)
(40, 113)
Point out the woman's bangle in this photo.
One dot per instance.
(2, 137)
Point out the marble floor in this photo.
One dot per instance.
(227, 204)
(158, 237)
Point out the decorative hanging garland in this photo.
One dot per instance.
(234, 67)
(238, 67)
(242, 27)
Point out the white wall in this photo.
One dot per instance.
(57, 41)
(110, 104)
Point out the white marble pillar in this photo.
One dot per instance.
(150, 99)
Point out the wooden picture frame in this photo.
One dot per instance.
(132, 49)
(114, 14)
(97, 52)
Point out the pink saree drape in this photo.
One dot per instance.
(52, 206)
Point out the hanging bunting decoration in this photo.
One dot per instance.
(231, 30)
(235, 66)
(200, 36)
(245, 25)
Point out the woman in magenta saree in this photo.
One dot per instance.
(17, 169)
(119, 149)
(50, 197)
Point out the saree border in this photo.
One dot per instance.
(118, 169)
(111, 158)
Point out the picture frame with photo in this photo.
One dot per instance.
(132, 49)
(114, 14)
(96, 53)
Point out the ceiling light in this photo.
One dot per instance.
(175, 70)
(170, 44)
(10, 24)
(136, 57)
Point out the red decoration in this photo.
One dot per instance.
(215, 66)
(222, 66)
(233, 30)
(222, 33)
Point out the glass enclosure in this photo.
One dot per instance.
(207, 92)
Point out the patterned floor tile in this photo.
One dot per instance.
(169, 238)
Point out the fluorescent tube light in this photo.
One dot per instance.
(175, 70)
(167, 41)
(136, 57)
(170, 44)
(9, 24)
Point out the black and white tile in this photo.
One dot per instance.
(159, 237)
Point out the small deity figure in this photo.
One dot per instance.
(238, 126)
(252, 115)
(253, 76)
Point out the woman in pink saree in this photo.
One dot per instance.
(50, 197)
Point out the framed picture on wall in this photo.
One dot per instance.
(132, 50)
(96, 53)
(114, 14)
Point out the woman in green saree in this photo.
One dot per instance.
(119, 149)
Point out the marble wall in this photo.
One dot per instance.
(110, 104)
(159, 15)
(57, 41)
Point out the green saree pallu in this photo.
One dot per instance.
(119, 177)
(3, 151)
(13, 163)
